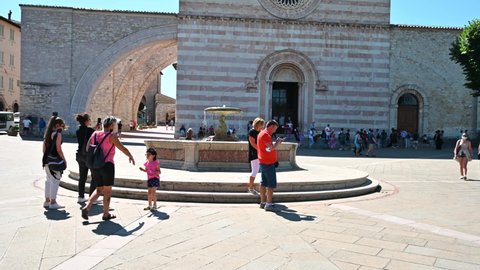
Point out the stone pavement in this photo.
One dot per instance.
(424, 218)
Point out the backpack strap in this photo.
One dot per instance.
(107, 135)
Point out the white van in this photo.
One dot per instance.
(6, 120)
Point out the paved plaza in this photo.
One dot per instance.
(424, 217)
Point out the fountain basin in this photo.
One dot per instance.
(215, 155)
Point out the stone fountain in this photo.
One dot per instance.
(223, 153)
(222, 112)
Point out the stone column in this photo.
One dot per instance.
(191, 156)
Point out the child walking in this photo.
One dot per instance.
(152, 168)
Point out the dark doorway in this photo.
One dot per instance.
(285, 103)
(407, 116)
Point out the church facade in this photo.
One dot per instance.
(330, 62)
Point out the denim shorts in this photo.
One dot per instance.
(269, 176)
(153, 182)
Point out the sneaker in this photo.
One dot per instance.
(253, 191)
(147, 208)
(262, 205)
(270, 207)
(55, 206)
(153, 208)
(82, 200)
(46, 204)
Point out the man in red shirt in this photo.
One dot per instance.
(267, 156)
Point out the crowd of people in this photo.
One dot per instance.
(368, 139)
(262, 156)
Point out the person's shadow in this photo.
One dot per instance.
(108, 227)
(291, 214)
(56, 214)
(160, 215)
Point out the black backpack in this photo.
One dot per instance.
(95, 156)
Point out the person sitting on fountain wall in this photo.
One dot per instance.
(267, 156)
(189, 134)
(201, 133)
(182, 130)
(211, 131)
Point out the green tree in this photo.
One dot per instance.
(466, 52)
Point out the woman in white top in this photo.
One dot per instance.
(463, 154)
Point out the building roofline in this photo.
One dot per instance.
(176, 14)
(427, 27)
(99, 10)
(12, 22)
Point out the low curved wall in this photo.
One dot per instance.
(215, 155)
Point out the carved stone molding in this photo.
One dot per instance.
(251, 85)
(320, 86)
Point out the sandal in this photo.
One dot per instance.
(110, 216)
(85, 213)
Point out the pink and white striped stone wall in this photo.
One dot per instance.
(217, 55)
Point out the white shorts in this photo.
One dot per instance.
(255, 167)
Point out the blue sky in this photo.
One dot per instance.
(413, 12)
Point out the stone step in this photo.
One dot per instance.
(233, 195)
(208, 185)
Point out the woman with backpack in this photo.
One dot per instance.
(84, 132)
(104, 174)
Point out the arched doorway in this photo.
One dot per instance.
(285, 95)
(287, 87)
(407, 115)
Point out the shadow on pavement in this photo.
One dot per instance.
(108, 228)
(159, 215)
(291, 214)
(57, 214)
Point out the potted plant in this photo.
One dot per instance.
(13, 131)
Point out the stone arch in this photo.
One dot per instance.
(295, 63)
(100, 68)
(423, 105)
(128, 80)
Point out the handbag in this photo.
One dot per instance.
(55, 162)
(95, 156)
